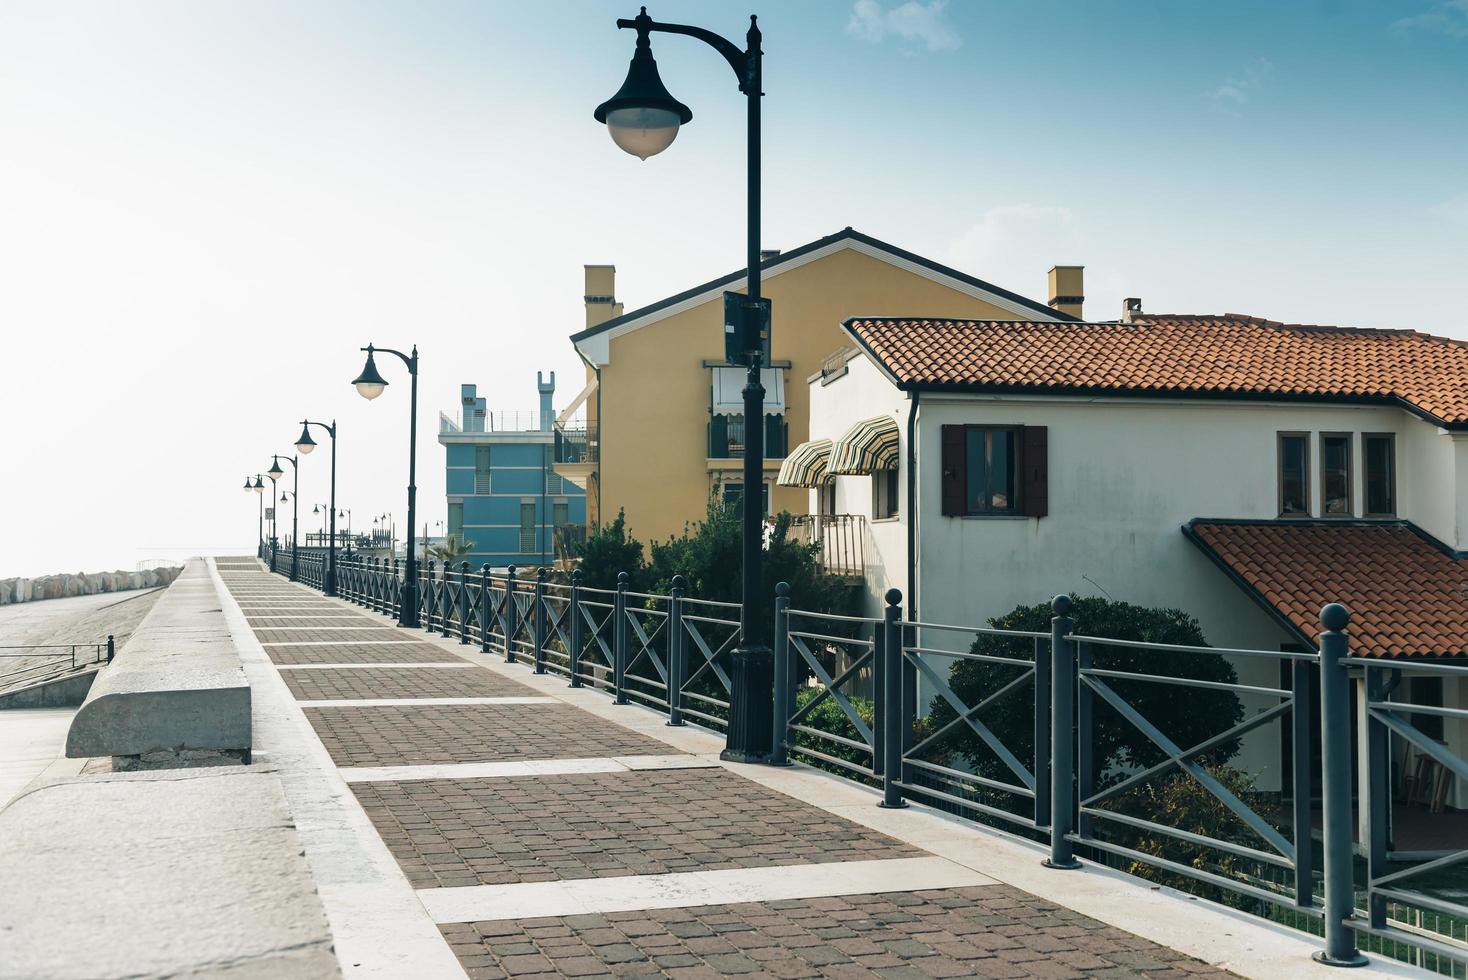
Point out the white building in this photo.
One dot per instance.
(1241, 470)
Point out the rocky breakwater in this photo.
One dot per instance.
(83, 583)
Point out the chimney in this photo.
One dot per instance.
(1131, 308)
(601, 300)
(547, 391)
(1067, 289)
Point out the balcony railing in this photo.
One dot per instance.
(840, 541)
(577, 443)
(499, 421)
(726, 437)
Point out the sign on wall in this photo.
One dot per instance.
(734, 339)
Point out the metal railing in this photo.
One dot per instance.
(726, 437)
(31, 663)
(839, 539)
(577, 442)
(847, 700)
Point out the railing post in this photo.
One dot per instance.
(445, 599)
(780, 753)
(464, 602)
(891, 709)
(1062, 735)
(425, 607)
(1043, 679)
(111, 649)
(573, 656)
(394, 594)
(1335, 790)
(511, 623)
(540, 624)
(1301, 782)
(675, 652)
(484, 608)
(619, 639)
(1378, 789)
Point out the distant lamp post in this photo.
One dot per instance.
(369, 385)
(643, 119)
(276, 473)
(259, 489)
(304, 445)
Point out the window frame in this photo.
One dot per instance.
(1307, 491)
(886, 488)
(1016, 506)
(1350, 511)
(1391, 441)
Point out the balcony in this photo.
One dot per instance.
(839, 539)
(726, 437)
(497, 421)
(576, 443)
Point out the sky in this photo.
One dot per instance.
(207, 208)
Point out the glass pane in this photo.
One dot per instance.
(562, 514)
(1001, 470)
(1293, 465)
(481, 458)
(1378, 452)
(1336, 476)
(976, 478)
(456, 519)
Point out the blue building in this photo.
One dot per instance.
(504, 494)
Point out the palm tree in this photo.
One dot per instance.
(453, 548)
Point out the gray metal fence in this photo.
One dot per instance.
(847, 699)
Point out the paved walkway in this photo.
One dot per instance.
(546, 831)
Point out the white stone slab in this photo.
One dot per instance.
(379, 927)
(332, 643)
(31, 739)
(417, 702)
(441, 666)
(633, 893)
(524, 767)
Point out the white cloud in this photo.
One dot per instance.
(911, 21)
(1449, 17)
(1240, 87)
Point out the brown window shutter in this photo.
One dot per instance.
(1036, 463)
(955, 466)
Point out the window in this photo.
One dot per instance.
(1428, 692)
(481, 469)
(1294, 474)
(560, 513)
(1335, 474)
(456, 518)
(884, 494)
(527, 527)
(553, 483)
(1379, 454)
(995, 470)
(734, 496)
(826, 497)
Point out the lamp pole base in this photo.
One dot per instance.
(751, 706)
(408, 605)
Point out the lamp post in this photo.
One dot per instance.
(275, 473)
(273, 542)
(369, 385)
(259, 489)
(304, 445)
(347, 513)
(643, 119)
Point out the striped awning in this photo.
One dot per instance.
(868, 446)
(807, 464)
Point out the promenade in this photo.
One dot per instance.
(462, 816)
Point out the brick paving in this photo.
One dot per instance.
(389, 682)
(359, 653)
(433, 734)
(595, 825)
(986, 931)
(304, 620)
(508, 831)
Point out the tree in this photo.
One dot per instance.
(454, 547)
(609, 550)
(1186, 715)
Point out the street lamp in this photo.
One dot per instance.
(259, 489)
(276, 473)
(304, 445)
(369, 385)
(643, 119)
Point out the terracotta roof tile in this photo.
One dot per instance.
(1178, 354)
(1407, 596)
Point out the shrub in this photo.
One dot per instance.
(1185, 715)
(609, 549)
(828, 717)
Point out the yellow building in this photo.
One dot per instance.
(659, 426)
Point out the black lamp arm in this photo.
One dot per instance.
(739, 60)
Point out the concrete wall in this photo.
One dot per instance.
(176, 694)
(63, 586)
(654, 392)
